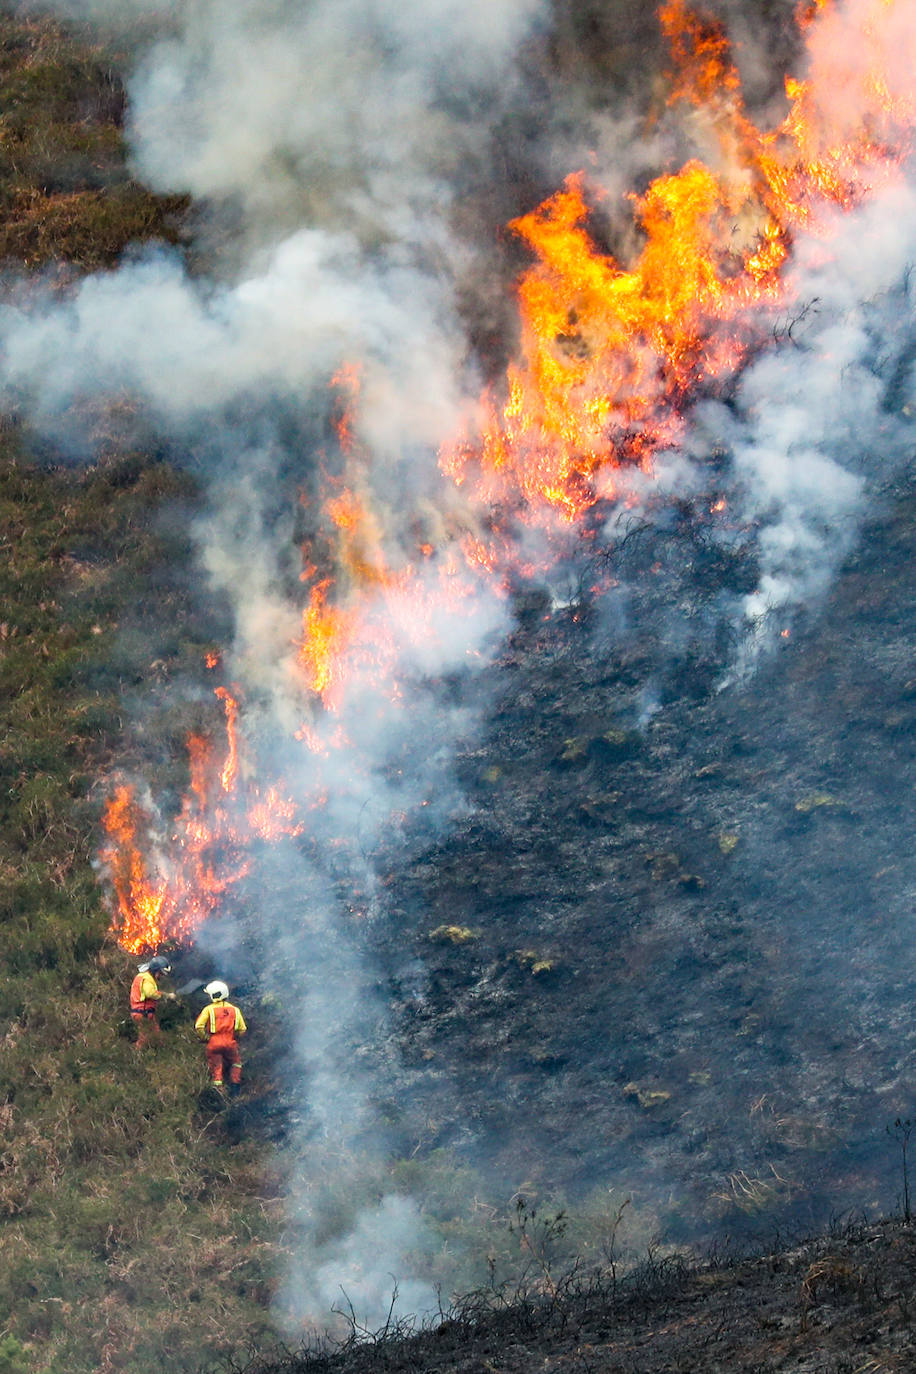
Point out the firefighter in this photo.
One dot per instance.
(145, 995)
(219, 1024)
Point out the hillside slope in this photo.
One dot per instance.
(651, 987)
(118, 1196)
(725, 983)
(707, 1002)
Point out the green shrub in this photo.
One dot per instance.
(13, 1356)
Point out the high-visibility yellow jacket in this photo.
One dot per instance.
(144, 993)
(222, 1020)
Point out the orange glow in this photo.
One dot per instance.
(322, 744)
(163, 893)
(610, 356)
(356, 623)
(699, 48)
(344, 510)
(229, 774)
(607, 354)
(363, 638)
(139, 899)
(348, 382)
(328, 634)
(273, 815)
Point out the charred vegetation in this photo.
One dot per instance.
(828, 1304)
(610, 985)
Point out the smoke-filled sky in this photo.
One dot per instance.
(352, 163)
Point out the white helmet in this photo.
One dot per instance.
(216, 991)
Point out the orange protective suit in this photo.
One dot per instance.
(144, 999)
(219, 1024)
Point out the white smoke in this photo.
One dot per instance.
(363, 112)
(812, 430)
(341, 133)
(344, 132)
(818, 430)
(361, 1280)
(187, 349)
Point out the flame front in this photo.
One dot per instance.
(609, 358)
(140, 920)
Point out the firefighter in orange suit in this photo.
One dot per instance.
(219, 1024)
(145, 995)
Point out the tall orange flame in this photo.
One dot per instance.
(140, 900)
(608, 354)
(609, 357)
(230, 770)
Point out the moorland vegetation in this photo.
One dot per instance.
(131, 1236)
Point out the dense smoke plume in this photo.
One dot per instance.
(355, 148)
(817, 426)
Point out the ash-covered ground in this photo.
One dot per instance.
(669, 952)
(667, 956)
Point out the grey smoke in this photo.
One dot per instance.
(339, 130)
(187, 349)
(814, 432)
(344, 134)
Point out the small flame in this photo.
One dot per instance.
(229, 773)
(348, 381)
(165, 892)
(328, 634)
(356, 623)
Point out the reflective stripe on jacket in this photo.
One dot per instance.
(220, 1019)
(144, 993)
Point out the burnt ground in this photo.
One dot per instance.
(840, 1304)
(682, 957)
(665, 960)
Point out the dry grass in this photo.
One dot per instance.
(134, 1232)
(65, 192)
